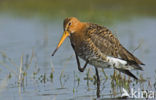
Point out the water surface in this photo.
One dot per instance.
(27, 43)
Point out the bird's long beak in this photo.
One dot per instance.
(64, 36)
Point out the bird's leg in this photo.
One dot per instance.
(79, 66)
(98, 83)
(78, 62)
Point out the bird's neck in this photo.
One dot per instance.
(78, 36)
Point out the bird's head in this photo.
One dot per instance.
(71, 25)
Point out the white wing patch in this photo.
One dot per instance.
(118, 63)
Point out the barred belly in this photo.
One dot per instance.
(97, 59)
(94, 57)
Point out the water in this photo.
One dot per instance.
(57, 77)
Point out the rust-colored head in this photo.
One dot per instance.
(71, 25)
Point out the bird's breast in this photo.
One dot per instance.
(86, 49)
(83, 49)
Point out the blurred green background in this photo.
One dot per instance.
(94, 10)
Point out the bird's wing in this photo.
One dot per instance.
(109, 45)
(104, 40)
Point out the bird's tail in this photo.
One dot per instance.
(131, 59)
(128, 73)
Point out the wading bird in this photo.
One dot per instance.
(98, 47)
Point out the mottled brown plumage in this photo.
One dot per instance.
(98, 46)
(89, 38)
(109, 45)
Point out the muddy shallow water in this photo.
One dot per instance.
(28, 71)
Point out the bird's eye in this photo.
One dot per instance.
(69, 23)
